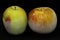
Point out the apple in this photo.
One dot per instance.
(42, 20)
(15, 20)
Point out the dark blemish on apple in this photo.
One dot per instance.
(8, 23)
(7, 19)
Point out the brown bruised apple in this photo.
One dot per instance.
(42, 20)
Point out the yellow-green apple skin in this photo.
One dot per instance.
(15, 20)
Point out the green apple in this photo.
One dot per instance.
(15, 20)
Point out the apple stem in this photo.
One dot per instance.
(15, 7)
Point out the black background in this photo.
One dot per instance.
(28, 5)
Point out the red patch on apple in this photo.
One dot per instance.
(7, 19)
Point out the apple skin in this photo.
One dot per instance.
(15, 20)
(42, 20)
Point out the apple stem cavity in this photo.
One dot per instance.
(14, 7)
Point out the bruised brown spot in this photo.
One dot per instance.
(30, 14)
(32, 17)
(7, 19)
(7, 23)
